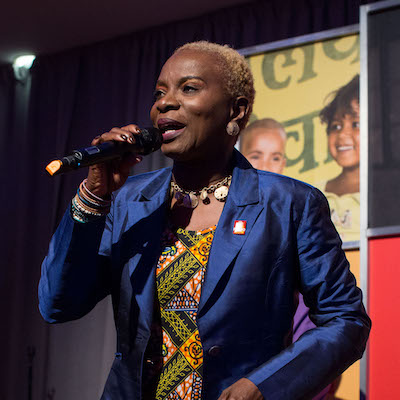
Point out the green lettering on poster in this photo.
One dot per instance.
(331, 50)
(268, 68)
(307, 154)
(308, 71)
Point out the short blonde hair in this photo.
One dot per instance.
(238, 79)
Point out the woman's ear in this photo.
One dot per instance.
(239, 109)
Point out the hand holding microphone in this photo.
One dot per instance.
(110, 157)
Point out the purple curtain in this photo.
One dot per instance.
(73, 96)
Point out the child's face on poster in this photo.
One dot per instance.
(265, 150)
(344, 137)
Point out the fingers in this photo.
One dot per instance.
(127, 162)
(123, 134)
(104, 178)
(132, 128)
(121, 169)
(243, 389)
(96, 140)
(115, 134)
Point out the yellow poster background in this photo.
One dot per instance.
(292, 86)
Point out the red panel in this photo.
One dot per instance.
(384, 310)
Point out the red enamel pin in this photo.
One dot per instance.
(239, 227)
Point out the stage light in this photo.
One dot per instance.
(22, 65)
(24, 61)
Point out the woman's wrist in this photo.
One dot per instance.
(102, 198)
(87, 206)
(97, 190)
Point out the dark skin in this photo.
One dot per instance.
(190, 93)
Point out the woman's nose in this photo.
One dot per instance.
(167, 102)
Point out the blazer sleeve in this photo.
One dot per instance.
(335, 302)
(76, 273)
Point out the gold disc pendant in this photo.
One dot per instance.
(221, 193)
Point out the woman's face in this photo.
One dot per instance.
(191, 107)
(344, 137)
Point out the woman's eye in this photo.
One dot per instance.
(157, 94)
(189, 88)
(277, 159)
(253, 157)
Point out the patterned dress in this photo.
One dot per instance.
(180, 274)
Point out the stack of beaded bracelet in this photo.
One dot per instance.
(86, 206)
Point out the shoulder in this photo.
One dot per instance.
(296, 199)
(284, 186)
(269, 187)
(321, 185)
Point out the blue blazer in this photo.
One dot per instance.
(247, 302)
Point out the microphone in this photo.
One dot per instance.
(147, 141)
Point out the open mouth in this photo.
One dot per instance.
(169, 128)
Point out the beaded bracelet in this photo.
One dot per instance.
(94, 200)
(86, 206)
(85, 209)
(91, 196)
(79, 216)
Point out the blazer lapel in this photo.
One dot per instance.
(145, 221)
(243, 204)
(150, 198)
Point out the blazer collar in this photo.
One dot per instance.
(244, 176)
(243, 204)
(158, 186)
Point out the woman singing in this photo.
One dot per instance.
(203, 260)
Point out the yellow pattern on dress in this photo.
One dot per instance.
(179, 276)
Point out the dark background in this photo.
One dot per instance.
(384, 119)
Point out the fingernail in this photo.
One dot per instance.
(138, 158)
(130, 139)
(124, 137)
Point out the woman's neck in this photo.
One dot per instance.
(196, 175)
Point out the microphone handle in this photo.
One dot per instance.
(147, 141)
(87, 156)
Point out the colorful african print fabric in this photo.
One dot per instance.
(180, 274)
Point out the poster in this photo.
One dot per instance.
(293, 85)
